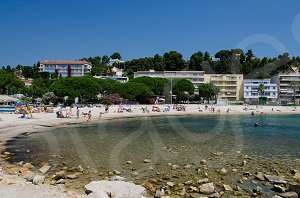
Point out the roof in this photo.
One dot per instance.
(7, 98)
(63, 62)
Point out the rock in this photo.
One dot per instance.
(260, 176)
(182, 192)
(106, 189)
(159, 193)
(44, 169)
(278, 188)
(38, 179)
(117, 178)
(188, 182)
(79, 168)
(296, 177)
(169, 164)
(223, 171)
(201, 181)
(150, 168)
(187, 166)
(203, 162)
(170, 184)
(244, 163)
(135, 173)
(60, 175)
(147, 160)
(28, 175)
(295, 187)
(149, 187)
(73, 176)
(28, 166)
(208, 188)
(129, 162)
(60, 181)
(258, 190)
(234, 170)
(20, 163)
(289, 195)
(294, 171)
(174, 167)
(275, 179)
(116, 172)
(227, 187)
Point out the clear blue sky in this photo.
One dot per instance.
(33, 30)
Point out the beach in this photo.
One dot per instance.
(12, 126)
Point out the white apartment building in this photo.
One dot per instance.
(196, 77)
(252, 94)
(289, 86)
(66, 68)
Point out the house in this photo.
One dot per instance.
(117, 75)
(66, 68)
(252, 94)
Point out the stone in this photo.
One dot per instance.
(147, 160)
(234, 170)
(135, 173)
(38, 179)
(106, 189)
(159, 193)
(28, 175)
(193, 188)
(201, 181)
(275, 179)
(116, 172)
(169, 164)
(188, 182)
(174, 167)
(295, 187)
(170, 184)
(73, 176)
(207, 188)
(79, 168)
(227, 187)
(290, 194)
(149, 187)
(117, 178)
(258, 190)
(260, 176)
(223, 171)
(203, 162)
(20, 163)
(129, 162)
(60, 175)
(187, 166)
(278, 188)
(294, 171)
(44, 169)
(182, 192)
(60, 181)
(28, 166)
(296, 177)
(150, 168)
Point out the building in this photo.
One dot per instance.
(230, 85)
(288, 85)
(252, 94)
(196, 77)
(117, 75)
(112, 62)
(66, 68)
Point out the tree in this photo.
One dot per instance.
(261, 90)
(156, 85)
(208, 91)
(206, 56)
(174, 61)
(158, 63)
(249, 55)
(116, 55)
(105, 60)
(183, 89)
(195, 61)
(9, 83)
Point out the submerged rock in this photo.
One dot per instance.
(289, 195)
(117, 189)
(275, 179)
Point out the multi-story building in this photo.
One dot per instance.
(117, 75)
(252, 94)
(230, 85)
(66, 68)
(288, 85)
(196, 77)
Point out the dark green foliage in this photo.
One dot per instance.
(9, 84)
(174, 61)
(156, 85)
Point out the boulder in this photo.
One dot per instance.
(208, 188)
(106, 189)
(38, 179)
(44, 169)
(275, 179)
(289, 195)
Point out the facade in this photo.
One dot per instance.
(117, 75)
(115, 61)
(196, 77)
(289, 86)
(66, 68)
(230, 85)
(252, 94)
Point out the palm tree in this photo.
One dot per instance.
(261, 90)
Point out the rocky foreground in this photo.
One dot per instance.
(25, 180)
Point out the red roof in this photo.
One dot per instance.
(63, 62)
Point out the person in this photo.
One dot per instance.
(252, 113)
(89, 116)
(77, 112)
(106, 108)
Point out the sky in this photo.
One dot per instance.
(35, 30)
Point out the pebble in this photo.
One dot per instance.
(201, 181)
(174, 167)
(73, 176)
(260, 176)
(116, 172)
(38, 179)
(129, 162)
(208, 188)
(187, 166)
(203, 162)
(147, 160)
(28, 166)
(60, 175)
(188, 182)
(227, 187)
(223, 171)
(279, 188)
(44, 169)
(150, 168)
(60, 181)
(170, 184)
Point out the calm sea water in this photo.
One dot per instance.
(179, 140)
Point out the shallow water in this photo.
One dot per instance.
(178, 140)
